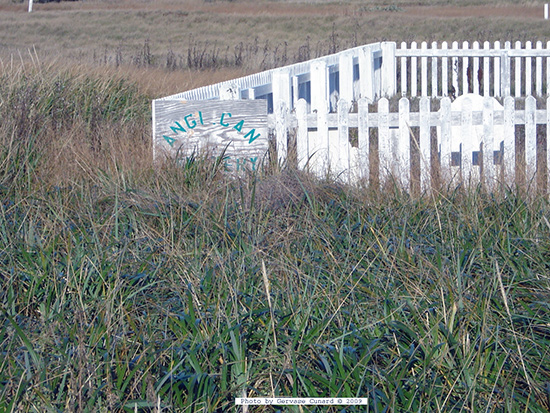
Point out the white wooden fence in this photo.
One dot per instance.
(312, 101)
(340, 143)
(488, 70)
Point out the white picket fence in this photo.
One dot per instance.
(350, 74)
(339, 143)
(312, 100)
(488, 70)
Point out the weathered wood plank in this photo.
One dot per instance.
(363, 138)
(302, 137)
(235, 129)
(424, 71)
(488, 142)
(425, 145)
(509, 159)
(414, 72)
(404, 143)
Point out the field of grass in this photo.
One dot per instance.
(247, 35)
(129, 286)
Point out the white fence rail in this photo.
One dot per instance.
(417, 147)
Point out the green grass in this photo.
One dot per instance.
(126, 285)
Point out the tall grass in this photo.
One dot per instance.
(175, 288)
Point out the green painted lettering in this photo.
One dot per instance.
(169, 140)
(239, 126)
(193, 122)
(241, 164)
(251, 135)
(227, 163)
(179, 128)
(221, 119)
(253, 161)
(200, 117)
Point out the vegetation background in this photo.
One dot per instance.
(131, 286)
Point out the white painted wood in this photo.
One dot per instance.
(366, 73)
(320, 164)
(538, 71)
(389, 69)
(465, 67)
(425, 145)
(454, 70)
(466, 144)
(403, 146)
(517, 77)
(486, 71)
(488, 142)
(403, 71)
(342, 169)
(237, 129)
(506, 71)
(435, 74)
(319, 86)
(363, 139)
(545, 11)
(530, 138)
(528, 71)
(509, 159)
(295, 91)
(302, 137)
(281, 130)
(345, 76)
(424, 70)
(475, 71)
(30, 6)
(445, 120)
(384, 149)
(414, 75)
(548, 144)
(281, 87)
(444, 72)
(497, 71)
(229, 91)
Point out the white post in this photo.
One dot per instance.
(389, 73)
(30, 5)
(545, 11)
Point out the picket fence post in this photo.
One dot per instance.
(384, 148)
(509, 158)
(281, 130)
(389, 68)
(434, 72)
(424, 70)
(303, 153)
(404, 145)
(425, 145)
(488, 142)
(445, 128)
(530, 138)
(363, 132)
(342, 142)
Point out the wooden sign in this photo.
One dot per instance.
(234, 129)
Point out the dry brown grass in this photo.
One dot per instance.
(252, 35)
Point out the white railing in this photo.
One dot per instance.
(488, 70)
(309, 99)
(351, 74)
(339, 143)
